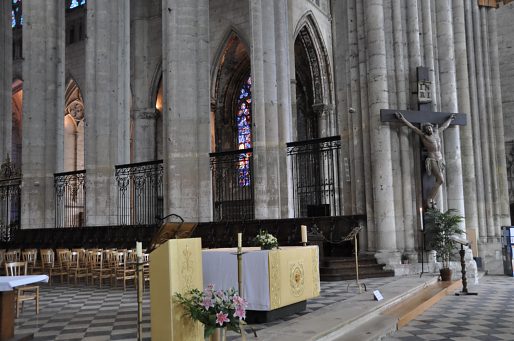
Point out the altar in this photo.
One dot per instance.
(272, 279)
(7, 286)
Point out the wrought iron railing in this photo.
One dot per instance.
(140, 189)
(232, 178)
(10, 203)
(70, 198)
(315, 171)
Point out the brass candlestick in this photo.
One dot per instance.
(240, 285)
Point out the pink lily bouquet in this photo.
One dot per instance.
(214, 308)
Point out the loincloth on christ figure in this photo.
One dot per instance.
(428, 165)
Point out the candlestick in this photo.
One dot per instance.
(239, 240)
(139, 249)
(421, 217)
(304, 234)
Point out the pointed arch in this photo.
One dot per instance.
(314, 93)
(232, 69)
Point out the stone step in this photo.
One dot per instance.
(349, 276)
(342, 269)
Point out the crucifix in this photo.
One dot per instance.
(432, 124)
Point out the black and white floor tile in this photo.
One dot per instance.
(488, 316)
(94, 314)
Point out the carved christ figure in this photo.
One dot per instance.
(434, 163)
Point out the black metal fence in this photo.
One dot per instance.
(70, 198)
(315, 171)
(140, 189)
(232, 178)
(10, 203)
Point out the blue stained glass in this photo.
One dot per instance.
(76, 3)
(244, 131)
(16, 18)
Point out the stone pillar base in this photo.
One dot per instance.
(388, 258)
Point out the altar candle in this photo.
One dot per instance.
(239, 240)
(139, 249)
(304, 233)
(421, 217)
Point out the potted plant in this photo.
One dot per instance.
(217, 310)
(441, 226)
(405, 259)
(266, 240)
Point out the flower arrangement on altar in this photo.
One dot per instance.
(266, 240)
(214, 308)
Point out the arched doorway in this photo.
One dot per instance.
(315, 154)
(70, 193)
(232, 157)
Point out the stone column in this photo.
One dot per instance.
(43, 108)
(267, 46)
(449, 103)
(5, 80)
(186, 108)
(107, 101)
(382, 174)
(463, 92)
(144, 135)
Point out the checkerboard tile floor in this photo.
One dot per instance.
(488, 316)
(94, 314)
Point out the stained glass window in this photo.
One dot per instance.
(244, 130)
(76, 3)
(16, 18)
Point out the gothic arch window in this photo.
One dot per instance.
(231, 107)
(73, 128)
(244, 130)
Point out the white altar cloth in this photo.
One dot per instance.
(8, 283)
(220, 268)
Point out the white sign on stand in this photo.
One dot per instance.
(377, 295)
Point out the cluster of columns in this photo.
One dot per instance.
(457, 41)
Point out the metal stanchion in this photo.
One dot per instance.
(353, 235)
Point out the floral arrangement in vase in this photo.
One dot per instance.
(266, 240)
(214, 308)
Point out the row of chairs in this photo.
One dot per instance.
(76, 264)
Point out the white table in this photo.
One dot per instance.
(7, 285)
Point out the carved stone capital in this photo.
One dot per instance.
(146, 114)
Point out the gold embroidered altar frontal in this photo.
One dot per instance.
(175, 266)
(293, 275)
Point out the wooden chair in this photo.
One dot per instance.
(12, 256)
(49, 266)
(77, 269)
(123, 270)
(99, 270)
(2, 258)
(25, 292)
(30, 256)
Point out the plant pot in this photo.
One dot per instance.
(266, 247)
(446, 274)
(220, 334)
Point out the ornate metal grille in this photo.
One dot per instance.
(315, 170)
(139, 192)
(232, 178)
(70, 198)
(10, 200)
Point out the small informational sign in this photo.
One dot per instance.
(377, 295)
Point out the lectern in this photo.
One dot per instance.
(175, 266)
